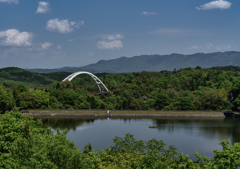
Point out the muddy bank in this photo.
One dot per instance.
(120, 115)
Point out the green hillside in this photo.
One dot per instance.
(56, 76)
(13, 74)
(183, 89)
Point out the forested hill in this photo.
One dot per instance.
(155, 63)
(10, 75)
(13, 74)
(183, 89)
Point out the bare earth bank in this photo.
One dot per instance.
(121, 113)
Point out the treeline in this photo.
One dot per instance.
(10, 75)
(227, 68)
(185, 89)
(26, 144)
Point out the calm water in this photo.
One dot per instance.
(187, 134)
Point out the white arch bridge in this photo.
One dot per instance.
(95, 78)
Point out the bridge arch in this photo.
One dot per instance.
(95, 78)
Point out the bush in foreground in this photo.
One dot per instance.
(24, 143)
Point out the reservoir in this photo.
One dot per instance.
(187, 134)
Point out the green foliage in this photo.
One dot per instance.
(41, 99)
(184, 89)
(69, 96)
(134, 105)
(26, 100)
(20, 75)
(6, 100)
(84, 105)
(130, 153)
(162, 101)
(185, 103)
(65, 85)
(26, 144)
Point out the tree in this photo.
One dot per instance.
(18, 88)
(162, 101)
(32, 146)
(103, 106)
(185, 103)
(41, 99)
(55, 92)
(69, 96)
(6, 101)
(26, 100)
(53, 102)
(134, 105)
(149, 104)
(125, 104)
(65, 85)
(84, 105)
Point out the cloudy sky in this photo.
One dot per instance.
(58, 33)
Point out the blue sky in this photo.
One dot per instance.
(58, 33)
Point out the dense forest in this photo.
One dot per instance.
(217, 88)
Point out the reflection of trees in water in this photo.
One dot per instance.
(62, 123)
(210, 127)
(175, 124)
(234, 129)
(207, 127)
(73, 122)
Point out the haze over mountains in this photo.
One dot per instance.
(155, 63)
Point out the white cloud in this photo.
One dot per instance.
(46, 45)
(10, 1)
(210, 46)
(218, 4)
(111, 42)
(113, 37)
(146, 13)
(70, 40)
(115, 44)
(90, 54)
(43, 7)
(12, 37)
(63, 26)
(194, 47)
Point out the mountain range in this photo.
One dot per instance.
(154, 63)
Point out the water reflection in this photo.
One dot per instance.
(187, 134)
(209, 128)
(63, 123)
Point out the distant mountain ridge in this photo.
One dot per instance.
(155, 63)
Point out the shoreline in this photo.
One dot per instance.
(41, 114)
(124, 113)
